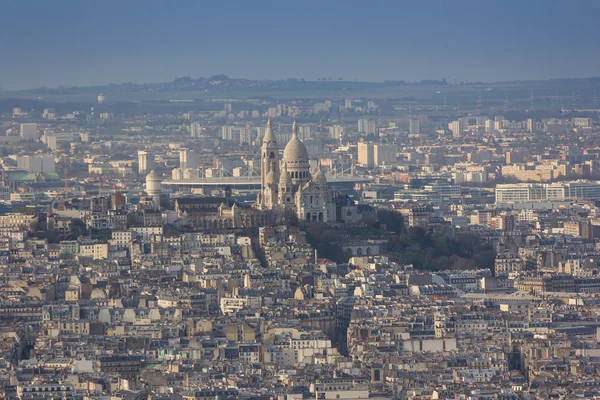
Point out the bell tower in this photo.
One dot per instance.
(269, 159)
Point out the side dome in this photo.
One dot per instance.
(271, 178)
(295, 150)
(284, 178)
(320, 178)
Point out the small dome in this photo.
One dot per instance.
(285, 179)
(295, 150)
(152, 175)
(271, 178)
(320, 178)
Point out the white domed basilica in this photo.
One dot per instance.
(288, 187)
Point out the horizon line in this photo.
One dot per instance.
(330, 79)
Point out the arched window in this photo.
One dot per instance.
(377, 375)
(321, 216)
(368, 251)
(308, 216)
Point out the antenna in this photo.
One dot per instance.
(66, 179)
(531, 101)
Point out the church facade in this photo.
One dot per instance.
(288, 187)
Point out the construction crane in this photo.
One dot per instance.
(541, 176)
(99, 186)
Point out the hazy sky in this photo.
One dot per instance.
(78, 42)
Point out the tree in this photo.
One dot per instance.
(78, 228)
(326, 242)
(392, 220)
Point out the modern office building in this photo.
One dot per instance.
(384, 154)
(547, 192)
(188, 159)
(457, 127)
(414, 126)
(366, 156)
(367, 126)
(29, 131)
(195, 129)
(37, 163)
(145, 162)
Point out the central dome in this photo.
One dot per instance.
(295, 151)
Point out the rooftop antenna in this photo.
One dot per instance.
(66, 178)
(531, 102)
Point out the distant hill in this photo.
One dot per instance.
(215, 82)
(577, 90)
(224, 83)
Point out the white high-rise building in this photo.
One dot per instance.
(304, 132)
(367, 127)
(336, 131)
(457, 127)
(195, 129)
(246, 135)
(366, 154)
(227, 132)
(414, 126)
(37, 163)
(188, 159)
(29, 131)
(145, 162)
(384, 154)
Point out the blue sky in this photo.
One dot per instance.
(68, 42)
